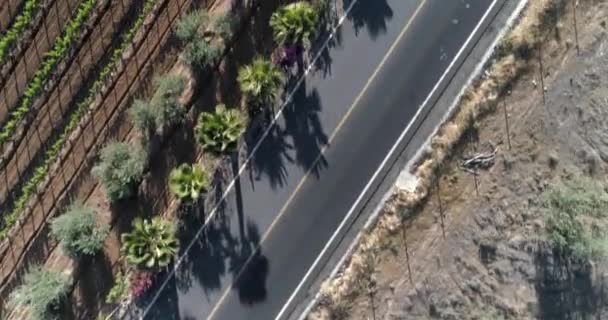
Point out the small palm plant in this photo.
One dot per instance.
(260, 81)
(188, 182)
(151, 244)
(219, 132)
(294, 24)
(42, 292)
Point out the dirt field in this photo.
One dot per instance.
(495, 261)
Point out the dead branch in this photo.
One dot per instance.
(481, 160)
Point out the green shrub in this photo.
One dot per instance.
(143, 118)
(42, 292)
(224, 26)
(575, 218)
(260, 81)
(151, 244)
(165, 102)
(187, 28)
(78, 232)
(120, 169)
(188, 182)
(219, 132)
(294, 24)
(200, 54)
(119, 289)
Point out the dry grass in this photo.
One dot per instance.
(511, 60)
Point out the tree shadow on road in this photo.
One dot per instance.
(270, 157)
(221, 249)
(371, 15)
(303, 126)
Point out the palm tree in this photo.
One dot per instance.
(219, 132)
(260, 81)
(151, 244)
(188, 182)
(294, 24)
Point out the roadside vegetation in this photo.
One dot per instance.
(78, 231)
(43, 293)
(151, 245)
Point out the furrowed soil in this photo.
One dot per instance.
(495, 261)
(18, 73)
(56, 104)
(95, 130)
(8, 10)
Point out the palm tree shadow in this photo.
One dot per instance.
(250, 268)
(372, 15)
(269, 159)
(303, 125)
(326, 40)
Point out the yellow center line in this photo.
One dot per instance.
(321, 153)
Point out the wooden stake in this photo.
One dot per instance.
(574, 4)
(504, 108)
(542, 72)
(407, 253)
(440, 205)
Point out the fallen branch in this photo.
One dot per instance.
(472, 164)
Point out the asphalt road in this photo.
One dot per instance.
(307, 173)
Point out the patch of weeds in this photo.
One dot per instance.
(575, 213)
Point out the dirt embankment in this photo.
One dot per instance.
(495, 261)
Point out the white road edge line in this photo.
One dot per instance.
(479, 67)
(382, 164)
(253, 151)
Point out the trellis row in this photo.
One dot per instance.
(89, 131)
(16, 53)
(13, 88)
(56, 108)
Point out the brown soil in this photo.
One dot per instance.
(495, 262)
(57, 102)
(17, 74)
